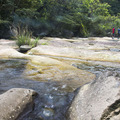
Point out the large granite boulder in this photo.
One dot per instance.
(99, 100)
(16, 102)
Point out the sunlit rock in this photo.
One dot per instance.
(96, 49)
(48, 69)
(11, 53)
(16, 102)
(98, 100)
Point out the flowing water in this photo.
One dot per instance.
(97, 69)
(53, 98)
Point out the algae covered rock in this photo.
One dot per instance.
(48, 69)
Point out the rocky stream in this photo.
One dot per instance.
(67, 79)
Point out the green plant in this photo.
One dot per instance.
(24, 37)
(45, 43)
(35, 42)
(23, 40)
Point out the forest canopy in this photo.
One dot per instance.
(60, 18)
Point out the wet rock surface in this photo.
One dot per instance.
(54, 70)
(53, 97)
(47, 69)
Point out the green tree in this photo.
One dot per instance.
(115, 6)
(82, 17)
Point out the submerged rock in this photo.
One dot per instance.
(48, 112)
(47, 69)
(99, 100)
(16, 102)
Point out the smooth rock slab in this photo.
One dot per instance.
(44, 68)
(99, 100)
(95, 49)
(16, 101)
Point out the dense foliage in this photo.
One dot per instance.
(62, 18)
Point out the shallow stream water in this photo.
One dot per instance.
(53, 98)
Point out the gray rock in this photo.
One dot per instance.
(14, 103)
(24, 48)
(99, 100)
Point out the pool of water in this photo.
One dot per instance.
(53, 97)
